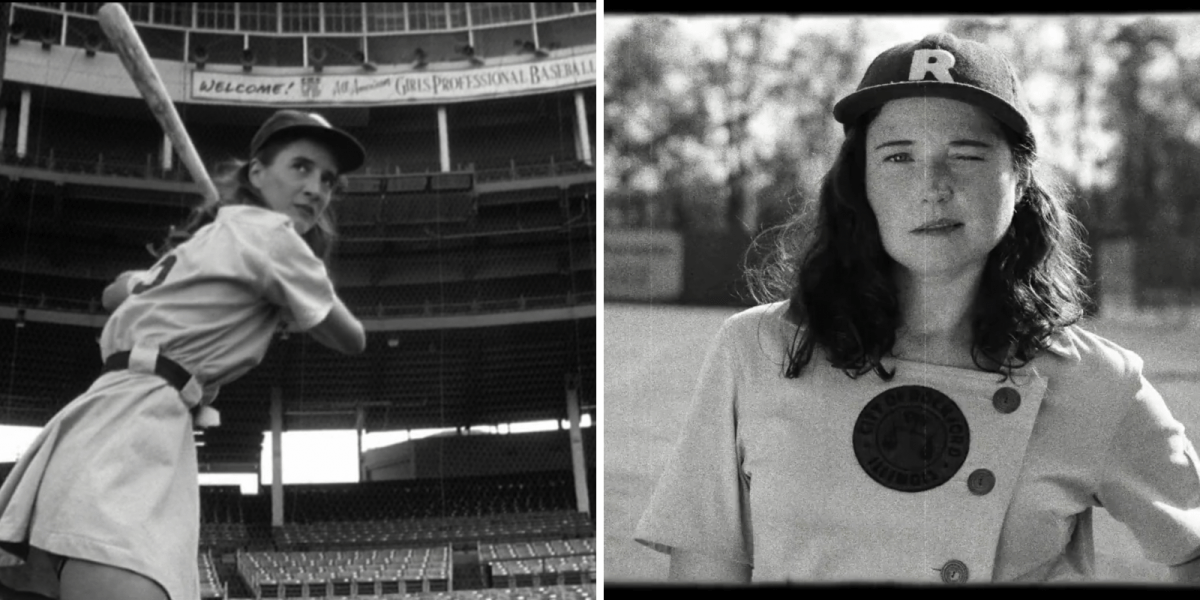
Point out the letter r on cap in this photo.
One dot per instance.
(933, 61)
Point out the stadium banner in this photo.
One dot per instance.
(392, 88)
(643, 264)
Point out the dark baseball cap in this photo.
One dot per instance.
(945, 66)
(346, 150)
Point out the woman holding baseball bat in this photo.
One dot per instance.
(105, 503)
(916, 403)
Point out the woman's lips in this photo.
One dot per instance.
(938, 227)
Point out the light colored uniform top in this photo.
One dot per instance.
(206, 311)
(766, 472)
(112, 478)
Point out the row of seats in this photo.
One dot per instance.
(540, 563)
(425, 498)
(536, 549)
(329, 502)
(543, 566)
(388, 588)
(531, 169)
(210, 583)
(222, 535)
(543, 572)
(432, 531)
(365, 573)
(561, 524)
(391, 558)
(310, 577)
(586, 591)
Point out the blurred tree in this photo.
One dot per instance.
(1154, 109)
(756, 113)
(1140, 131)
(828, 67)
(652, 116)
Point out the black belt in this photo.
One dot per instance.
(164, 367)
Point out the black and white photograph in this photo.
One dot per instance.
(299, 300)
(903, 299)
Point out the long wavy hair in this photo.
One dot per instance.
(829, 260)
(232, 179)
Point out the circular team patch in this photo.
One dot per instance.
(911, 438)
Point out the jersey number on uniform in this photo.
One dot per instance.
(163, 267)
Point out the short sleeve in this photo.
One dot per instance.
(132, 278)
(1151, 480)
(296, 279)
(701, 501)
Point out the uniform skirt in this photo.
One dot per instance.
(111, 479)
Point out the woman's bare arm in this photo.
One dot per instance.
(340, 330)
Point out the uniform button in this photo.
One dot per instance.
(1006, 400)
(981, 481)
(955, 571)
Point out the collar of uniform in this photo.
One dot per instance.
(1063, 344)
(252, 212)
(1060, 343)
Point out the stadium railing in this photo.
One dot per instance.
(99, 163)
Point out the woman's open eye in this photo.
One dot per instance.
(898, 157)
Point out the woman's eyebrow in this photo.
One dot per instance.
(971, 143)
(894, 143)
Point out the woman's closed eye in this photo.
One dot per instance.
(901, 157)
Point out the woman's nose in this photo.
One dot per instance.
(316, 188)
(937, 180)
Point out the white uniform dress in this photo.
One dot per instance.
(112, 478)
(827, 478)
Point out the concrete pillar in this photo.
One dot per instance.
(168, 153)
(360, 419)
(583, 139)
(276, 456)
(578, 465)
(23, 125)
(443, 139)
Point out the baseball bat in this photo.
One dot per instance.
(125, 40)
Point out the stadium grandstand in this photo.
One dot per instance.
(467, 248)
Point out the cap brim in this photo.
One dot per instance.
(349, 153)
(850, 108)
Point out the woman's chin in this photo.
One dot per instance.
(301, 224)
(934, 264)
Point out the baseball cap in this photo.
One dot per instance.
(346, 150)
(945, 66)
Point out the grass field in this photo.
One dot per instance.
(653, 353)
